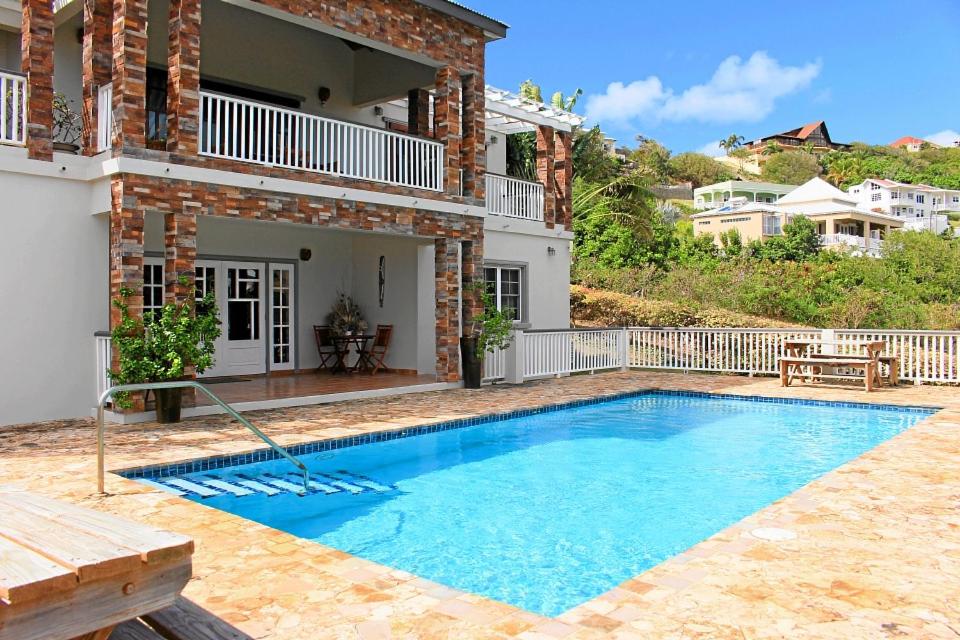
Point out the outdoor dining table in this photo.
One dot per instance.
(343, 344)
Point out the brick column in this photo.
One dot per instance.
(471, 272)
(563, 177)
(446, 114)
(473, 151)
(126, 259)
(180, 251)
(418, 112)
(36, 61)
(129, 75)
(97, 64)
(183, 77)
(545, 172)
(446, 272)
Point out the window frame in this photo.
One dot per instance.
(521, 295)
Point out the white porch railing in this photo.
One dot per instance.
(13, 108)
(494, 366)
(104, 348)
(104, 117)
(253, 132)
(514, 198)
(869, 245)
(923, 356)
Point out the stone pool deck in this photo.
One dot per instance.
(876, 552)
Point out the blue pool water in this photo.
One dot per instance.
(547, 511)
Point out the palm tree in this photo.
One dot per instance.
(771, 148)
(731, 142)
(625, 200)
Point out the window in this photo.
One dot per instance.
(704, 222)
(875, 197)
(771, 226)
(731, 220)
(920, 198)
(874, 186)
(894, 195)
(505, 284)
(956, 199)
(243, 304)
(910, 195)
(152, 288)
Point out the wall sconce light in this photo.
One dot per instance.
(551, 251)
(323, 93)
(305, 254)
(378, 111)
(494, 139)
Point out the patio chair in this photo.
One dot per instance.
(378, 350)
(326, 348)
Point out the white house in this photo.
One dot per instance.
(715, 195)
(276, 176)
(921, 206)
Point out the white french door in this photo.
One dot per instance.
(282, 313)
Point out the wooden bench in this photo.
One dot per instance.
(184, 620)
(869, 351)
(67, 572)
(814, 367)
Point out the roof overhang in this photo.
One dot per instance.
(493, 29)
(508, 113)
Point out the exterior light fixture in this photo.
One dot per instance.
(323, 93)
(551, 251)
(378, 111)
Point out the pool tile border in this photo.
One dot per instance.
(318, 446)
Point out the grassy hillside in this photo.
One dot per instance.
(598, 308)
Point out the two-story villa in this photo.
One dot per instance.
(276, 153)
(921, 206)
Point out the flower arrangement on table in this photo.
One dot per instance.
(346, 317)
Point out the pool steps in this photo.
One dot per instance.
(241, 486)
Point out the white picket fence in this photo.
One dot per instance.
(254, 132)
(923, 356)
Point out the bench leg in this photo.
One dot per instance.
(869, 376)
(784, 380)
(101, 634)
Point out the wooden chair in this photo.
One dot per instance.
(377, 353)
(326, 348)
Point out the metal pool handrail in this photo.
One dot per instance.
(178, 384)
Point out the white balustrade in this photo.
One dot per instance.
(550, 353)
(514, 198)
(264, 134)
(104, 117)
(104, 348)
(13, 109)
(494, 365)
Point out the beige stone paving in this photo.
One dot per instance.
(876, 553)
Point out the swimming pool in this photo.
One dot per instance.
(546, 510)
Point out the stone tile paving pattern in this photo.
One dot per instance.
(876, 552)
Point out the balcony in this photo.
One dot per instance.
(13, 109)
(869, 246)
(514, 198)
(247, 131)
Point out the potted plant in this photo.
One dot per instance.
(163, 347)
(346, 317)
(487, 332)
(67, 125)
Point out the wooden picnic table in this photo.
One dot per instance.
(67, 572)
(863, 351)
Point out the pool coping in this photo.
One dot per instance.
(208, 463)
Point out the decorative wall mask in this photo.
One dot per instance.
(382, 277)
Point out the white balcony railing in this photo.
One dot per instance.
(868, 245)
(263, 134)
(13, 109)
(104, 117)
(514, 198)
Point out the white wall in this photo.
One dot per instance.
(401, 298)
(547, 278)
(54, 287)
(68, 62)
(497, 153)
(10, 50)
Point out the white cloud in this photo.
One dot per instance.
(945, 138)
(738, 91)
(712, 149)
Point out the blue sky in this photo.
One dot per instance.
(689, 72)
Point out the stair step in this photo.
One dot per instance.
(258, 487)
(281, 484)
(363, 482)
(191, 487)
(319, 485)
(336, 482)
(162, 487)
(223, 485)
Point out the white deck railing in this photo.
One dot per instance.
(514, 198)
(923, 356)
(494, 365)
(104, 348)
(13, 108)
(871, 245)
(264, 134)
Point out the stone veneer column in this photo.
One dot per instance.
(446, 272)
(473, 150)
(545, 172)
(36, 61)
(563, 177)
(446, 114)
(97, 64)
(183, 77)
(418, 112)
(126, 259)
(471, 272)
(129, 75)
(180, 251)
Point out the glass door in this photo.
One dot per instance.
(243, 318)
(281, 312)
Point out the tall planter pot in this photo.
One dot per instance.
(169, 403)
(472, 363)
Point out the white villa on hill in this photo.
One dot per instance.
(920, 205)
(714, 195)
(842, 224)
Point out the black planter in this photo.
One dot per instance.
(169, 402)
(472, 365)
